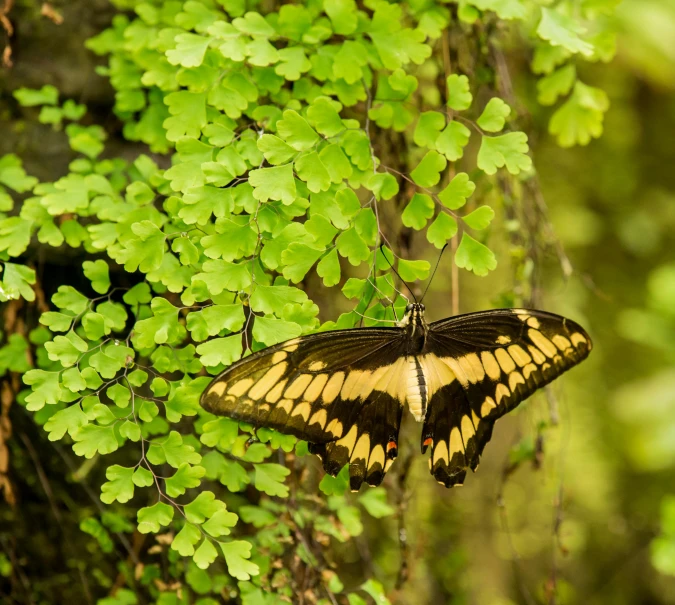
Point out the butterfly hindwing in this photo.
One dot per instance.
(338, 390)
(499, 358)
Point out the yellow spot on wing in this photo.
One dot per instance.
(240, 388)
(505, 361)
(335, 428)
(472, 367)
(279, 356)
(536, 354)
(317, 366)
(515, 378)
(376, 457)
(519, 355)
(457, 370)
(286, 405)
(561, 342)
(456, 444)
(389, 462)
(467, 428)
(314, 389)
(533, 322)
(436, 372)
(332, 388)
(291, 345)
(542, 342)
(274, 395)
(267, 381)
(362, 448)
(490, 364)
(319, 418)
(488, 405)
(441, 452)
(501, 391)
(349, 440)
(349, 388)
(302, 409)
(503, 340)
(218, 388)
(298, 386)
(578, 339)
(528, 369)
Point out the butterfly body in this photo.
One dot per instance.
(345, 391)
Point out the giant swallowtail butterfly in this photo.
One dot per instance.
(344, 391)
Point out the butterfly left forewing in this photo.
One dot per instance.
(498, 359)
(338, 390)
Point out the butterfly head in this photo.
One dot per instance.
(414, 316)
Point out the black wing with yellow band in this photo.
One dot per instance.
(339, 390)
(344, 391)
(499, 358)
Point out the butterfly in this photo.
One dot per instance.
(344, 391)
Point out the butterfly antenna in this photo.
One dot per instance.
(397, 274)
(438, 262)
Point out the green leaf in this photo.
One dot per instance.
(351, 245)
(428, 171)
(162, 327)
(30, 97)
(459, 93)
(14, 176)
(580, 118)
(173, 451)
(254, 24)
(298, 259)
(220, 350)
(202, 202)
(145, 251)
(184, 478)
(119, 485)
(411, 270)
(311, 169)
(67, 349)
(557, 84)
(188, 114)
(67, 420)
(189, 51)
(212, 320)
(70, 299)
(187, 251)
(236, 555)
(494, 115)
(441, 230)
(335, 485)
(268, 299)
(321, 229)
(273, 184)
(119, 394)
(269, 478)
(270, 331)
(92, 439)
(45, 389)
(329, 269)
(383, 185)
(16, 282)
(454, 196)
(219, 275)
(343, 15)
(323, 114)
(428, 129)
(220, 523)
(152, 517)
(275, 150)
(296, 131)
(375, 502)
(15, 234)
(97, 272)
(221, 433)
(479, 218)
(561, 30)
(508, 150)
(293, 62)
(142, 477)
(474, 256)
(202, 507)
(185, 540)
(418, 211)
(336, 162)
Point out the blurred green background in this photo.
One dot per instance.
(591, 516)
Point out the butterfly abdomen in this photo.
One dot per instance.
(416, 389)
